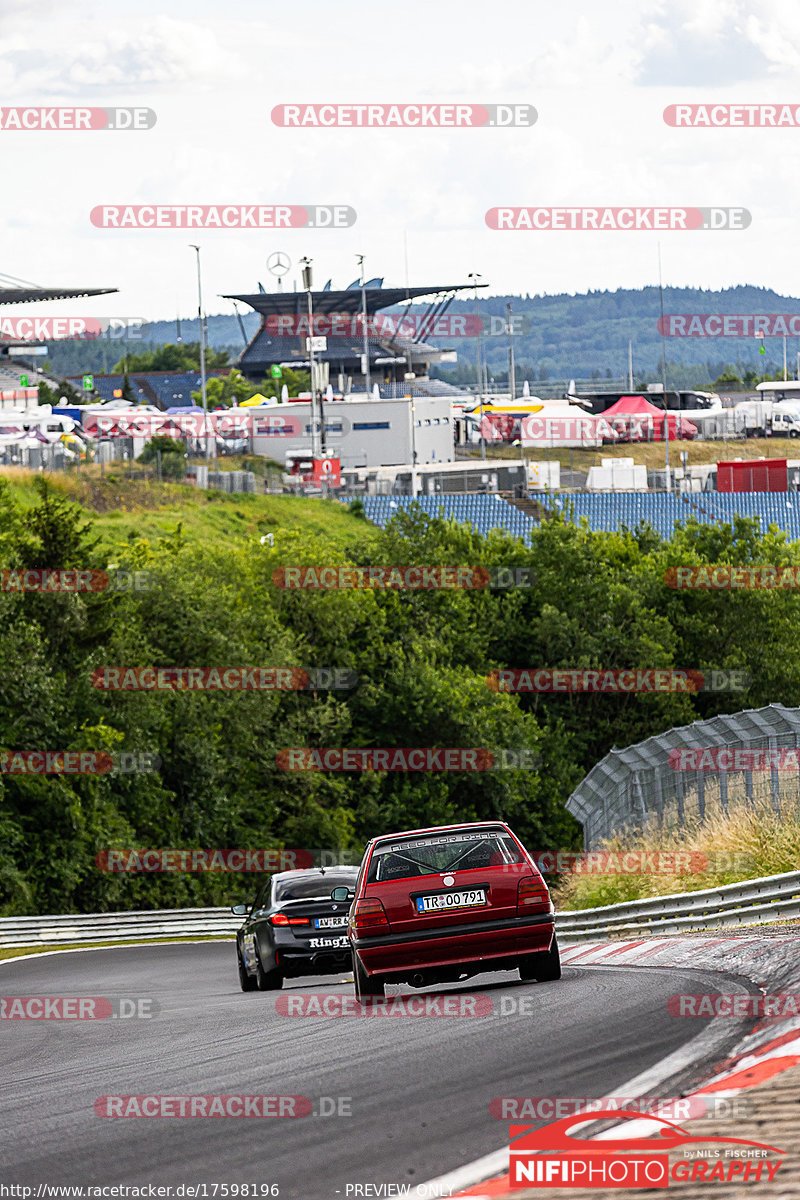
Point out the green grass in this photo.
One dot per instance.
(123, 508)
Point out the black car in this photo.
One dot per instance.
(295, 928)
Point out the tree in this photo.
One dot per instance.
(228, 390)
(728, 378)
(233, 388)
(185, 357)
(166, 445)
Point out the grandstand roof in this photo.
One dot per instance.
(24, 295)
(348, 301)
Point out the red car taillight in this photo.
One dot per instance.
(370, 915)
(532, 893)
(282, 919)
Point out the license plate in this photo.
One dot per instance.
(445, 901)
(330, 922)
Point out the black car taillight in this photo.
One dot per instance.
(532, 894)
(370, 915)
(282, 919)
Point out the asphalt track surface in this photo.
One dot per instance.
(419, 1087)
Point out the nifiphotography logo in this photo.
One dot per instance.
(554, 1157)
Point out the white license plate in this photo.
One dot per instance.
(445, 901)
(330, 922)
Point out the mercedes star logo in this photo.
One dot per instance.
(279, 263)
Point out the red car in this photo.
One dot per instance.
(439, 905)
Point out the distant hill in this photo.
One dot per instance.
(581, 336)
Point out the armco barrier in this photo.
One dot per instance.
(753, 902)
(118, 927)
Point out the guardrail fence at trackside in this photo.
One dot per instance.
(753, 902)
(118, 927)
(773, 898)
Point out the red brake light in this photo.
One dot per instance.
(282, 919)
(370, 914)
(532, 890)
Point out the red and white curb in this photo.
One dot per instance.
(772, 1046)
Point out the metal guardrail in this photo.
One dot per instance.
(753, 902)
(118, 927)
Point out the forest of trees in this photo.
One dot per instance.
(421, 658)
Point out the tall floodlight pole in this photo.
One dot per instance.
(202, 352)
(664, 371)
(307, 283)
(367, 380)
(512, 382)
(475, 276)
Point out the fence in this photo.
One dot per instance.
(659, 783)
(753, 902)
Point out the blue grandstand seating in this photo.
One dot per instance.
(610, 511)
(169, 390)
(482, 512)
(605, 511)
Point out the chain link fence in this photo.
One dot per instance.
(691, 772)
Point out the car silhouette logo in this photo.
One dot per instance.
(556, 1136)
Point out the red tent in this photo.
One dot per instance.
(637, 420)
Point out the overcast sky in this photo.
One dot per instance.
(599, 73)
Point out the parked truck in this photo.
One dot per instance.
(765, 418)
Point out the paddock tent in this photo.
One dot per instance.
(642, 421)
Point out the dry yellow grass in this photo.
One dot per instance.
(747, 842)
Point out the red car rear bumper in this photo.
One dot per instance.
(455, 944)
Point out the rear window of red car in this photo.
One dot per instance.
(431, 854)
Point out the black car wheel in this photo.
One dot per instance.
(365, 985)
(247, 983)
(542, 967)
(267, 981)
